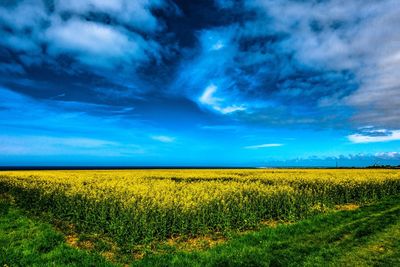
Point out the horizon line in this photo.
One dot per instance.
(149, 167)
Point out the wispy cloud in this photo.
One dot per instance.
(50, 145)
(163, 138)
(262, 146)
(223, 127)
(208, 98)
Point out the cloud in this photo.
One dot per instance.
(218, 45)
(11, 68)
(207, 96)
(230, 109)
(388, 155)
(375, 136)
(302, 63)
(248, 66)
(22, 145)
(223, 127)
(208, 66)
(163, 138)
(136, 14)
(346, 160)
(224, 3)
(275, 54)
(24, 18)
(208, 99)
(33, 127)
(92, 36)
(97, 44)
(263, 146)
(354, 36)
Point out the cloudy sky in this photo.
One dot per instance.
(200, 83)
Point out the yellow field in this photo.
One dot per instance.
(138, 205)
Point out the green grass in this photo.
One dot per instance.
(25, 242)
(368, 236)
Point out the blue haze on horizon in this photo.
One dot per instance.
(200, 83)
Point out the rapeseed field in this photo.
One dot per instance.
(134, 206)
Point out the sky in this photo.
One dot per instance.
(255, 83)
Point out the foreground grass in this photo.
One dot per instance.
(368, 236)
(25, 242)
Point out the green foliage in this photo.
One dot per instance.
(24, 242)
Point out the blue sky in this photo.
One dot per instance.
(200, 83)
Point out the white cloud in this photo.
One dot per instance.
(220, 127)
(365, 138)
(230, 109)
(47, 145)
(208, 99)
(388, 154)
(95, 44)
(263, 146)
(85, 36)
(163, 138)
(218, 45)
(207, 96)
